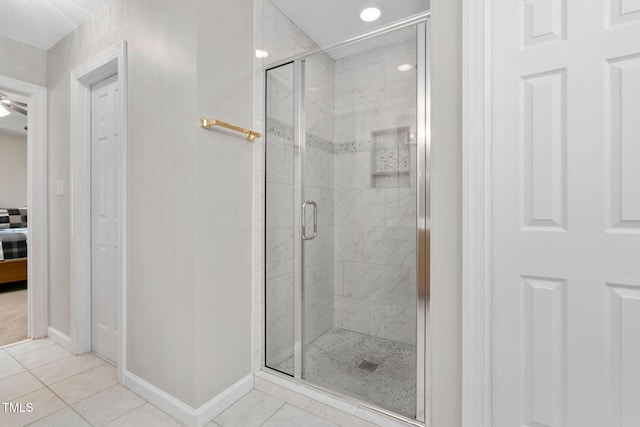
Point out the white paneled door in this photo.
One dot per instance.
(566, 213)
(105, 208)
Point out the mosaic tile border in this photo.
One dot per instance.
(319, 143)
(280, 129)
(349, 147)
(285, 131)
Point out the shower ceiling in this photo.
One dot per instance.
(330, 21)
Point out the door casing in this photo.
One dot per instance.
(110, 62)
(476, 213)
(37, 177)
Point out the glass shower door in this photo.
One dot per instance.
(279, 220)
(359, 196)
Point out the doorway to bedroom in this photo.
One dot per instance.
(13, 218)
(24, 218)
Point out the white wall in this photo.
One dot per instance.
(13, 171)
(223, 196)
(446, 212)
(22, 62)
(26, 63)
(189, 190)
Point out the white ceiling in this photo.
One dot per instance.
(43, 23)
(40, 23)
(330, 21)
(15, 122)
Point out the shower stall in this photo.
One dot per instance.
(347, 219)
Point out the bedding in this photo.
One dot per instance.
(13, 218)
(13, 243)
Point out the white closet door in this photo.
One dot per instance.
(105, 200)
(566, 213)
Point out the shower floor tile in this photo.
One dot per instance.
(335, 360)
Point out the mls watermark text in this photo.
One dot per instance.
(17, 407)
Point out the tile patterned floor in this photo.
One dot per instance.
(68, 391)
(335, 358)
(261, 409)
(80, 391)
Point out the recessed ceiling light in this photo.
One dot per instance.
(405, 67)
(370, 14)
(261, 53)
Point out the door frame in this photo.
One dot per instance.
(111, 61)
(37, 188)
(476, 213)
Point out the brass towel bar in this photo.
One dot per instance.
(209, 123)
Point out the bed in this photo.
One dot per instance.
(13, 245)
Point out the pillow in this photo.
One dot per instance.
(23, 213)
(13, 218)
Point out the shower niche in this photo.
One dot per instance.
(346, 208)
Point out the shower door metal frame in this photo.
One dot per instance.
(299, 130)
(423, 214)
(423, 220)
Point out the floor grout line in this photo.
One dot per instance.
(78, 413)
(26, 342)
(275, 412)
(131, 410)
(79, 373)
(5, 346)
(303, 409)
(45, 364)
(36, 420)
(13, 375)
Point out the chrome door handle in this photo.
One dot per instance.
(304, 220)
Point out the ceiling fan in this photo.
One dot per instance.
(8, 104)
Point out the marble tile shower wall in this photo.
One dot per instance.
(374, 215)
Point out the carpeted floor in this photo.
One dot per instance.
(13, 314)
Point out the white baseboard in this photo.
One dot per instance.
(218, 404)
(59, 338)
(182, 412)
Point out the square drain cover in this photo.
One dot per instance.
(368, 366)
